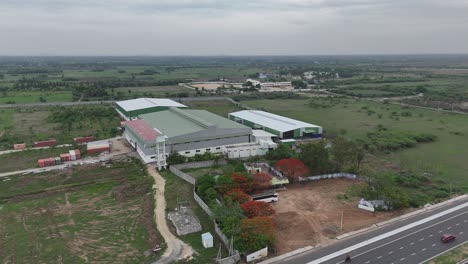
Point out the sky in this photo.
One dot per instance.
(232, 27)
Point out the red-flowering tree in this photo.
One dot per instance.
(261, 181)
(241, 182)
(256, 233)
(255, 208)
(292, 168)
(237, 195)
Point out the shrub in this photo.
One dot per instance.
(255, 208)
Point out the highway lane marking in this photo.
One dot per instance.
(402, 259)
(461, 232)
(431, 235)
(379, 257)
(449, 227)
(433, 245)
(391, 252)
(424, 249)
(402, 248)
(413, 254)
(367, 262)
(457, 224)
(441, 253)
(465, 221)
(421, 239)
(391, 233)
(412, 243)
(440, 231)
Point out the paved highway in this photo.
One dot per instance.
(409, 241)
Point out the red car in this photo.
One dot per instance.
(447, 238)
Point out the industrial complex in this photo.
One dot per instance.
(155, 128)
(282, 127)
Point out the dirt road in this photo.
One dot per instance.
(176, 249)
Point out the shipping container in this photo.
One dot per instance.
(41, 163)
(47, 143)
(80, 140)
(77, 154)
(58, 161)
(19, 146)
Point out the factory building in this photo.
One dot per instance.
(282, 127)
(130, 109)
(189, 132)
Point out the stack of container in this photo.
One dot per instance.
(47, 143)
(75, 154)
(81, 140)
(65, 157)
(19, 146)
(98, 147)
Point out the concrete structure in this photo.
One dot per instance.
(207, 240)
(282, 127)
(130, 109)
(184, 221)
(98, 146)
(186, 131)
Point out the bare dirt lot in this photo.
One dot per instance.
(310, 214)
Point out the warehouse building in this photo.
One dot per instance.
(130, 109)
(189, 132)
(282, 127)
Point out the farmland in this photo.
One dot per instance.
(92, 214)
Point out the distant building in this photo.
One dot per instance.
(282, 127)
(130, 109)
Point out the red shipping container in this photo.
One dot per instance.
(41, 163)
(77, 154)
(65, 157)
(19, 146)
(47, 143)
(83, 139)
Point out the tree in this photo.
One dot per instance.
(175, 158)
(241, 182)
(255, 208)
(261, 181)
(238, 196)
(224, 184)
(316, 156)
(292, 168)
(256, 233)
(229, 219)
(281, 152)
(346, 154)
(299, 84)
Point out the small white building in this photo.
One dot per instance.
(207, 240)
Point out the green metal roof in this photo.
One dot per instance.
(175, 122)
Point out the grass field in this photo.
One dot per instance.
(453, 256)
(179, 190)
(34, 97)
(84, 215)
(26, 125)
(28, 159)
(219, 107)
(445, 158)
(151, 91)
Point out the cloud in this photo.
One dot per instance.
(204, 27)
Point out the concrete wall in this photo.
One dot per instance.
(199, 164)
(184, 176)
(202, 204)
(332, 176)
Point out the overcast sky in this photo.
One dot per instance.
(232, 27)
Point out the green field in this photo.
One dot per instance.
(179, 190)
(28, 159)
(445, 159)
(457, 255)
(34, 97)
(150, 91)
(26, 125)
(84, 215)
(219, 107)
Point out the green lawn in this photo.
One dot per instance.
(87, 215)
(34, 97)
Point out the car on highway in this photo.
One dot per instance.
(447, 238)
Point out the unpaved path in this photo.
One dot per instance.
(176, 249)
